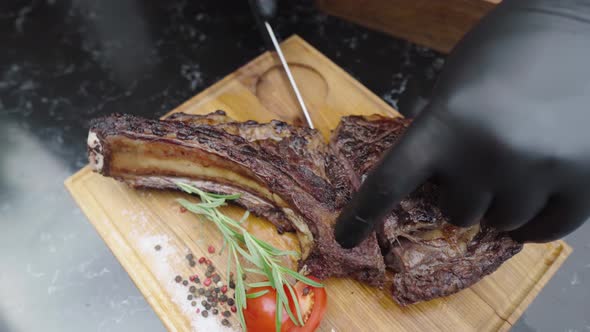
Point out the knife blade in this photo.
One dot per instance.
(285, 65)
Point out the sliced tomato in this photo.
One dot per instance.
(260, 311)
(312, 302)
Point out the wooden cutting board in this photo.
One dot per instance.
(132, 222)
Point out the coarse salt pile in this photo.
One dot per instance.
(199, 297)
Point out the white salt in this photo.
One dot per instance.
(162, 261)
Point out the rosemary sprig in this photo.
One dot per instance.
(263, 255)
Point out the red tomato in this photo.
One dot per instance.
(260, 312)
(312, 301)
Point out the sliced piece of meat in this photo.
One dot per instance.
(273, 164)
(430, 257)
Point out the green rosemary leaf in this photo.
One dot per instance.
(223, 245)
(257, 271)
(228, 221)
(187, 188)
(196, 208)
(277, 252)
(278, 314)
(268, 247)
(244, 253)
(279, 282)
(193, 190)
(212, 205)
(274, 251)
(226, 197)
(255, 254)
(301, 277)
(257, 294)
(299, 321)
(240, 289)
(269, 275)
(244, 217)
(240, 293)
(260, 284)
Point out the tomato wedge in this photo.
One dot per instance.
(312, 301)
(260, 311)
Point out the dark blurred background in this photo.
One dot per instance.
(65, 62)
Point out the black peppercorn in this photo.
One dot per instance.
(305, 291)
(205, 313)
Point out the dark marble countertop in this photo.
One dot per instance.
(65, 62)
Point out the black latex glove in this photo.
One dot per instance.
(264, 10)
(505, 132)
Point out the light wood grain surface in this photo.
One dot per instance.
(132, 222)
(435, 24)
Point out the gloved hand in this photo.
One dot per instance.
(505, 133)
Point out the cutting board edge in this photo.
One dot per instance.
(565, 251)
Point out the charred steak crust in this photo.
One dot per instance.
(288, 175)
(362, 140)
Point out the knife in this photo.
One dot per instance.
(268, 33)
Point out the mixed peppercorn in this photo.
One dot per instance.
(216, 300)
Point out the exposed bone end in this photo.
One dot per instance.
(95, 152)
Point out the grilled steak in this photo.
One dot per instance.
(275, 165)
(430, 257)
(288, 175)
